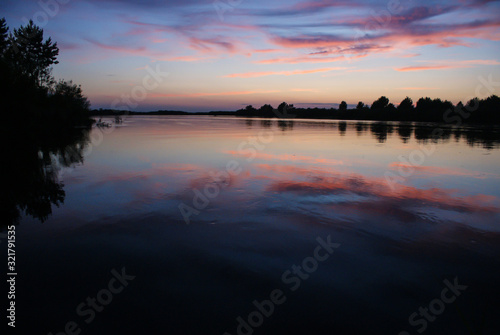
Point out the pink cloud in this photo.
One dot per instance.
(309, 59)
(410, 55)
(281, 73)
(424, 68)
(185, 59)
(267, 50)
(121, 49)
(207, 94)
(211, 44)
(417, 88)
(449, 65)
(404, 31)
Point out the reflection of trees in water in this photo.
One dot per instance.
(381, 130)
(265, 123)
(342, 127)
(488, 139)
(361, 128)
(30, 170)
(483, 136)
(424, 134)
(404, 131)
(268, 123)
(285, 125)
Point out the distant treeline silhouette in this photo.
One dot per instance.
(119, 112)
(426, 110)
(482, 111)
(29, 93)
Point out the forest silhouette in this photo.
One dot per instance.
(475, 111)
(45, 126)
(486, 111)
(29, 92)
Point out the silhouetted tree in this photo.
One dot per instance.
(30, 55)
(72, 93)
(68, 104)
(282, 107)
(250, 109)
(381, 103)
(343, 106)
(27, 88)
(3, 36)
(406, 105)
(432, 110)
(266, 111)
(360, 105)
(484, 110)
(472, 104)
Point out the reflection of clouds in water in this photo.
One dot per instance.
(318, 192)
(332, 195)
(305, 171)
(286, 157)
(436, 170)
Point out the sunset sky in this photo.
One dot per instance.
(225, 54)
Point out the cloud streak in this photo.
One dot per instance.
(450, 65)
(281, 73)
(209, 94)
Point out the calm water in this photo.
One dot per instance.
(409, 213)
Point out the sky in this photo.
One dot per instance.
(208, 55)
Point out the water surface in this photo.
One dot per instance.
(208, 213)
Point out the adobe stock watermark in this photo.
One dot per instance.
(49, 9)
(220, 179)
(292, 279)
(93, 305)
(420, 320)
(248, 149)
(454, 117)
(126, 101)
(223, 6)
(139, 93)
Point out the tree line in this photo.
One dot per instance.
(30, 94)
(46, 124)
(426, 110)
